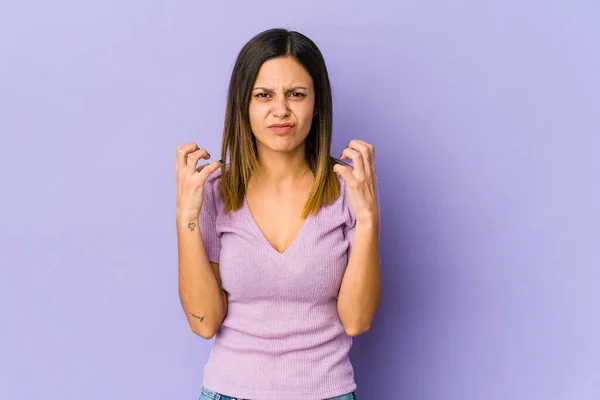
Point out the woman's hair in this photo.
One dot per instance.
(238, 139)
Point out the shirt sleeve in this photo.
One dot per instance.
(208, 222)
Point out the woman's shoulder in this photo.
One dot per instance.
(340, 206)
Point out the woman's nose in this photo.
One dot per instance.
(281, 108)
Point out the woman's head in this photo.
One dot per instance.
(282, 105)
(279, 77)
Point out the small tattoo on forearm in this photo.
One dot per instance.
(192, 226)
(200, 318)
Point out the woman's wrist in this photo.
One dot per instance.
(186, 217)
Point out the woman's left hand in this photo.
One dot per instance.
(361, 180)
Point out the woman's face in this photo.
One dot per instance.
(282, 94)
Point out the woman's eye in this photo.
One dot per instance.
(265, 95)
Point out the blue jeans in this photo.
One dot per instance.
(208, 394)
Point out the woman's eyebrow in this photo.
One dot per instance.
(270, 90)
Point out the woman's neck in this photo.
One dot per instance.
(282, 169)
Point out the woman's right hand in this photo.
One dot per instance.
(190, 180)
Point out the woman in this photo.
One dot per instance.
(278, 247)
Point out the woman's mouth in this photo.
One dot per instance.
(281, 128)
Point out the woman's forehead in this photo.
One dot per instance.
(286, 72)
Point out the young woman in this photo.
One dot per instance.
(279, 246)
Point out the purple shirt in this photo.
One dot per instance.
(282, 337)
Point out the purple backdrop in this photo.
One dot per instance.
(485, 120)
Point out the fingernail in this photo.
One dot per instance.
(221, 161)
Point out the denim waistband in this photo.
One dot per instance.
(218, 396)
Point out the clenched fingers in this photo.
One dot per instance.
(181, 153)
(193, 158)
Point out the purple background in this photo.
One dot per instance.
(485, 120)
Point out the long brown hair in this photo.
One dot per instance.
(238, 139)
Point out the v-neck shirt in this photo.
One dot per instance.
(259, 233)
(282, 337)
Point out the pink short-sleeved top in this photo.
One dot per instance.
(282, 337)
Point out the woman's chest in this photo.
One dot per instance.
(310, 269)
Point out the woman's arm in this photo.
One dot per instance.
(202, 297)
(360, 292)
